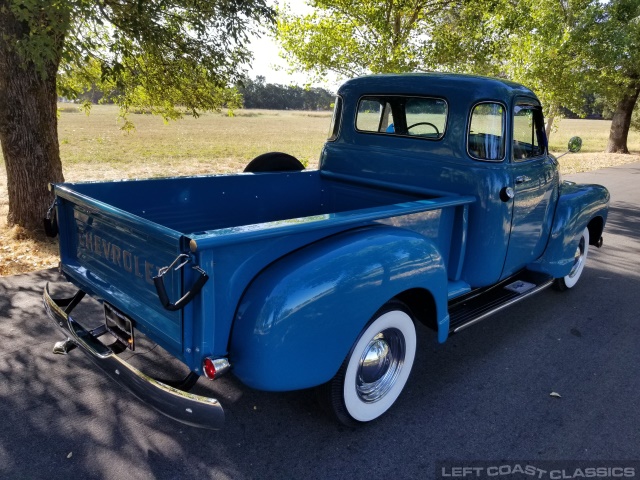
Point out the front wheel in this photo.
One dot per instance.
(377, 368)
(579, 259)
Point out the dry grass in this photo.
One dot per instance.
(594, 134)
(94, 148)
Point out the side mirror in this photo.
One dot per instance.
(575, 144)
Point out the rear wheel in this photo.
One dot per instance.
(377, 368)
(274, 162)
(579, 259)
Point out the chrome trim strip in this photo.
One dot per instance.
(184, 407)
(537, 289)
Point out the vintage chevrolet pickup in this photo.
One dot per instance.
(436, 202)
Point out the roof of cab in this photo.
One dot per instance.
(436, 84)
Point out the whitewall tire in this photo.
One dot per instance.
(579, 260)
(376, 370)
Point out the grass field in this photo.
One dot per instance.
(214, 142)
(94, 148)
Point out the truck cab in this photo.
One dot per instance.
(469, 135)
(464, 134)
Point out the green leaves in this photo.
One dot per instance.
(174, 57)
(353, 38)
(543, 44)
(35, 30)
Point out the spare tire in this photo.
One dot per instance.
(274, 162)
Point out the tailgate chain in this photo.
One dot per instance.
(187, 297)
(51, 221)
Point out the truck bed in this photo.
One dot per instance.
(116, 235)
(193, 205)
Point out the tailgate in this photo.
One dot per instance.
(114, 256)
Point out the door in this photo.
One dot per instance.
(534, 181)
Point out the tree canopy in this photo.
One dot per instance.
(530, 41)
(358, 37)
(537, 43)
(160, 54)
(614, 53)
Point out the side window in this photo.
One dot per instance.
(528, 132)
(374, 115)
(485, 140)
(336, 119)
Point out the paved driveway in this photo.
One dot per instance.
(483, 396)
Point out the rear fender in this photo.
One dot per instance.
(300, 317)
(579, 206)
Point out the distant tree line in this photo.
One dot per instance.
(596, 107)
(255, 94)
(259, 94)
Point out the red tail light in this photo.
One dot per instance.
(214, 367)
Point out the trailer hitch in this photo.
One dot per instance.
(181, 260)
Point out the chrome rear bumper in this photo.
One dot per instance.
(184, 407)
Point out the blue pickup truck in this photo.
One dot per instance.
(436, 202)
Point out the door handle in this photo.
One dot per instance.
(507, 193)
(522, 179)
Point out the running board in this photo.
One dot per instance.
(478, 304)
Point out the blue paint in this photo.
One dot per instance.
(299, 318)
(579, 206)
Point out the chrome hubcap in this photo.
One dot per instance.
(380, 364)
(578, 258)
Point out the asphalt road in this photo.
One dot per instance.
(482, 396)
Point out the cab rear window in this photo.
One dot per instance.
(419, 117)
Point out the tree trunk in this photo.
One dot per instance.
(622, 120)
(549, 125)
(552, 114)
(28, 127)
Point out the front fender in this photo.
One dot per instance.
(579, 206)
(300, 317)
